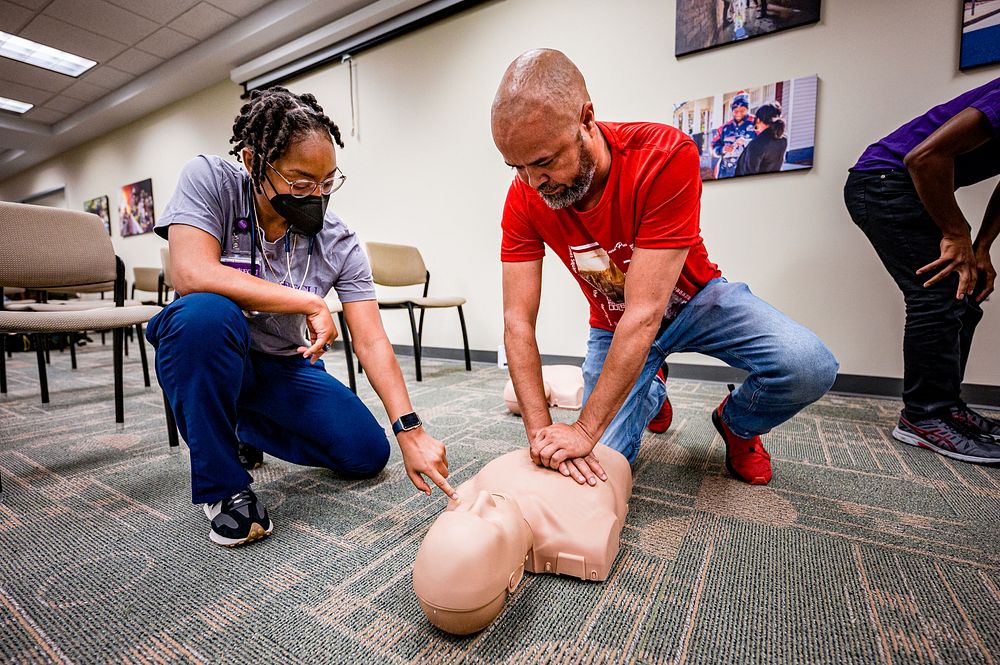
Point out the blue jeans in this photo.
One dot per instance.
(789, 367)
(223, 393)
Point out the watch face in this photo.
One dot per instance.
(409, 421)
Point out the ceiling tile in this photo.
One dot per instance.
(103, 18)
(239, 8)
(12, 17)
(65, 104)
(32, 4)
(53, 32)
(135, 61)
(166, 43)
(36, 77)
(85, 91)
(156, 10)
(43, 115)
(107, 77)
(24, 93)
(202, 21)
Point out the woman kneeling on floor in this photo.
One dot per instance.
(252, 253)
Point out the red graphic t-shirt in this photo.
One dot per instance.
(652, 200)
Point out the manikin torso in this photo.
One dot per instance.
(514, 516)
(575, 528)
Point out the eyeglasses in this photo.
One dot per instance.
(303, 188)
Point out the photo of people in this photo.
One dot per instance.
(136, 208)
(755, 130)
(703, 24)
(980, 33)
(101, 207)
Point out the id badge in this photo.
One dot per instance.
(243, 264)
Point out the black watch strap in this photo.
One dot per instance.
(405, 422)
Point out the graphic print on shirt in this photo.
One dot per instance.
(594, 265)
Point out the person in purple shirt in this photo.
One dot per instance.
(901, 194)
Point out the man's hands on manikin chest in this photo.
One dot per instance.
(568, 448)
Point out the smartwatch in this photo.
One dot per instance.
(405, 422)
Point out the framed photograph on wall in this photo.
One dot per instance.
(705, 24)
(980, 33)
(764, 129)
(135, 208)
(101, 207)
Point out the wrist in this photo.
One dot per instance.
(407, 422)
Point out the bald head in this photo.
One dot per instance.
(540, 85)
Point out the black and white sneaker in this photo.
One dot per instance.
(948, 437)
(250, 458)
(976, 421)
(239, 519)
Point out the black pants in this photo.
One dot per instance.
(939, 327)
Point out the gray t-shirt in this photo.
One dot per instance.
(209, 196)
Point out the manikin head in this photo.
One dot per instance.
(472, 557)
(543, 124)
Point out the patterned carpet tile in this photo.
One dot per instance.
(861, 550)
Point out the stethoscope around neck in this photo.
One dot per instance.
(248, 219)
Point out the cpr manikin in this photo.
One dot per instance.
(512, 517)
(563, 386)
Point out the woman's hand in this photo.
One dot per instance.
(321, 331)
(423, 455)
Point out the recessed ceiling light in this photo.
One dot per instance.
(14, 105)
(40, 55)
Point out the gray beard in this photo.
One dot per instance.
(574, 192)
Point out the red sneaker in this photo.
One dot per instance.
(661, 421)
(746, 459)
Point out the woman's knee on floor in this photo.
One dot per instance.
(366, 452)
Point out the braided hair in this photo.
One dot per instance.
(271, 121)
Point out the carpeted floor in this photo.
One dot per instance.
(861, 550)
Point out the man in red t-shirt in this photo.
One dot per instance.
(619, 204)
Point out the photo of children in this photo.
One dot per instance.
(755, 130)
(101, 207)
(704, 24)
(136, 208)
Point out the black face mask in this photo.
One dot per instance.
(305, 215)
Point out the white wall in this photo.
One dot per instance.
(423, 169)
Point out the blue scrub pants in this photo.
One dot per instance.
(223, 393)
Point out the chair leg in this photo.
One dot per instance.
(3, 363)
(103, 340)
(171, 423)
(465, 340)
(72, 350)
(125, 339)
(416, 340)
(44, 339)
(140, 342)
(118, 337)
(420, 328)
(43, 379)
(347, 351)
